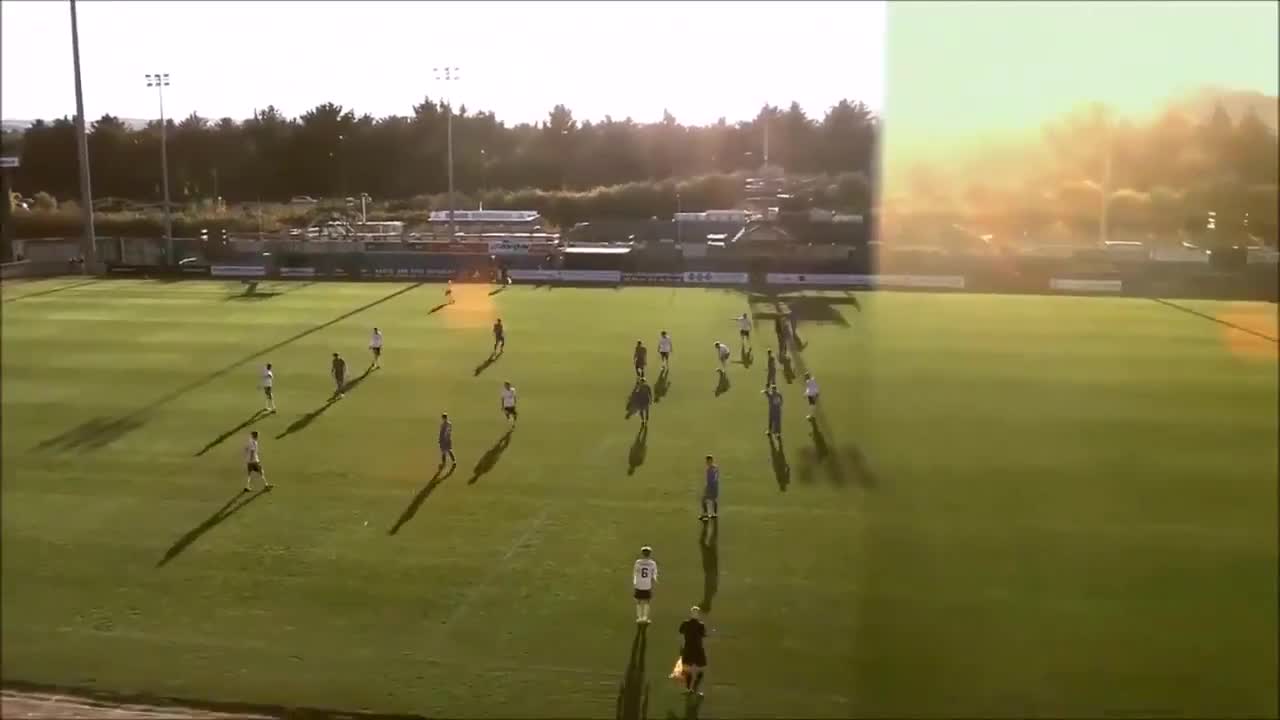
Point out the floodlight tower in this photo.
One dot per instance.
(449, 75)
(160, 81)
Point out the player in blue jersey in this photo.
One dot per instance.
(775, 411)
(711, 491)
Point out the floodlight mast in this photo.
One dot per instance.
(449, 75)
(160, 81)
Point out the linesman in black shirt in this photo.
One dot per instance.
(693, 656)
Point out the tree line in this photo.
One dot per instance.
(330, 151)
(1161, 176)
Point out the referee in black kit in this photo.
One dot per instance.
(693, 656)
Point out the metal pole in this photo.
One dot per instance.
(679, 227)
(1106, 188)
(453, 228)
(82, 143)
(449, 74)
(164, 176)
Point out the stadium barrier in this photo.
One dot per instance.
(238, 271)
(716, 278)
(1086, 286)
(835, 280)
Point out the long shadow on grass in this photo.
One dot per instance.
(51, 291)
(412, 508)
(722, 386)
(488, 362)
(662, 386)
(93, 434)
(1218, 320)
(99, 432)
(251, 293)
(639, 447)
(709, 546)
(232, 507)
(832, 460)
(633, 693)
(182, 706)
(489, 460)
(781, 468)
(302, 422)
(438, 308)
(746, 356)
(242, 426)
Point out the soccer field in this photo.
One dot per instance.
(1011, 506)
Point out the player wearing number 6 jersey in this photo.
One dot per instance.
(643, 577)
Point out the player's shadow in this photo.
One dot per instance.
(788, 372)
(633, 693)
(662, 386)
(93, 434)
(495, 291)
(251, 293)
(244, 425)
(438, 308)
(746, 357)
(232, 507)
(302, 422)
(412, 508)
(99, 432)
(489, 460)
(709, 545)
(489, 361)
(639, 447)
(781, 468)
(832, 460)
(722, 385)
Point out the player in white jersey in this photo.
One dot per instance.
(253, 463)
(448, 292)
(810, 393)
(375, 346)
(722, 354)
(664, 349)
(509, 402)
(744, 330)
(268, 380)
(644, 575)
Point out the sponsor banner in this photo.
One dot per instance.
(536, 275)
(1105, 286)
(407, 273)
(947, 282)
(297, 272)
(953, 282)
(715, 278)
(516, 247)
(194, 270)
(839, 280)
(600, 276)
(238, 271)
(125, 269)
(653, 278)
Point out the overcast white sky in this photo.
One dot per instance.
(701, 60)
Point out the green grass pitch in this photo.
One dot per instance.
(1017, 505)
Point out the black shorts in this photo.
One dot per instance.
(639, 367)
(509, 412)
(340, 380)
(377, 352)
(499, 339)
(266, 391)
(254, 467)
(695, 656)
(664, 355)
(643, 594)
(813, 400)
(744, 333)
